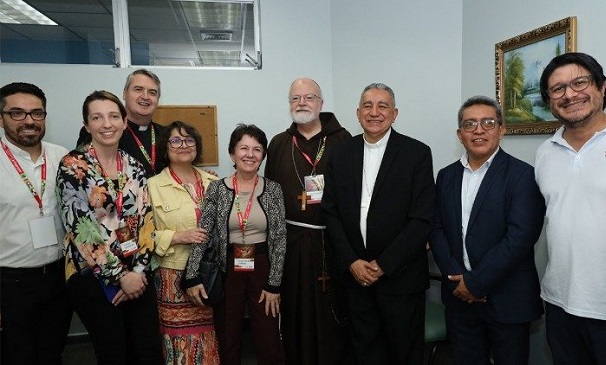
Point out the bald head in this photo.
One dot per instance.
(308, 84)
(305, 98)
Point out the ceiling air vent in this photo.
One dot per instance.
(216, 36)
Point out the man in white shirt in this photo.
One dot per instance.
(570, 169)
(34, 309)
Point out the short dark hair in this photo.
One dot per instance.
(21, 87)
(142, 71)
(101, 95)
(182, 128)
(247, 130)
(481, 100)
(574, 58)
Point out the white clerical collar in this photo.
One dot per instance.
(380, 143)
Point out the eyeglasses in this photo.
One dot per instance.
(578, 84)
(310, 98)
(471, 125)
(19, 115)
(178, 142)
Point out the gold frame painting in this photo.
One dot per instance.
(519, 63)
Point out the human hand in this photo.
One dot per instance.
(120, 297)
(378, 272)
(187, 237)
(272, 302)
(462, 292)
(363, 272)
(212, 172)
(196, 293)
(133, 285)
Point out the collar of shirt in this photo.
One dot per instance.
(465, 161)
(21, 154)
(382, 143)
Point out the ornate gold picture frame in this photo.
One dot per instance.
(519, 63)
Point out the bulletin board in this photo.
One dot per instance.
(203, 118)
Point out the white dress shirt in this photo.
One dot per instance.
(18, 206)
(469, 189)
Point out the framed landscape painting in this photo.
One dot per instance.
(519, 63)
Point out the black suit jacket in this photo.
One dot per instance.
(400, 213)
(505, 223)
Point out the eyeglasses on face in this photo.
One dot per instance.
(471, 125)
(310, 98)
(19, 115)
(177, 142)
(578, 84)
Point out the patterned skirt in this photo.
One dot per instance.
(188, 334)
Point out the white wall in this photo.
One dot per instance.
(433, 53)
(296, 42)
(488, 22)
(412, 46)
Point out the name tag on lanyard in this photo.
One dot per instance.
(244, 257)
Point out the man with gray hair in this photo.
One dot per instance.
(378, 207)
(488, 217)
(313, 317)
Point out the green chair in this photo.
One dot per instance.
(435, 323)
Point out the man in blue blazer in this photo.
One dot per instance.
(489, 215)
(378, 206)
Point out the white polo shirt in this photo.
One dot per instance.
(574, 186)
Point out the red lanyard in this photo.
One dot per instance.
(24, 177)
(152, 160)
(199, 193)
(110, 182)
(243, 221)
(306, 156)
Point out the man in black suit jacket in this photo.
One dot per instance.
(489, 215)
(378, 207)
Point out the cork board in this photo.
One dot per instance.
(203, 118)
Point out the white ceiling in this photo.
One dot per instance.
(169, 30)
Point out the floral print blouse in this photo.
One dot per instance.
(89, 214)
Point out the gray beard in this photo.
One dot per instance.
(303, 117)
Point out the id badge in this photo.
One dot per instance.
(314, 187)
(127, 241)
(244, 257)
(43, 231)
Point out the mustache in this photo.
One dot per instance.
(29, 127)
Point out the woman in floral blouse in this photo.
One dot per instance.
(109, 240)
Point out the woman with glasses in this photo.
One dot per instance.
(247, 211)
(109, 244)
(177, 193)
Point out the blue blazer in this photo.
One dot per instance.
(505, 223)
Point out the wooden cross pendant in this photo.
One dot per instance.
(324, 278)
(303, 198)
